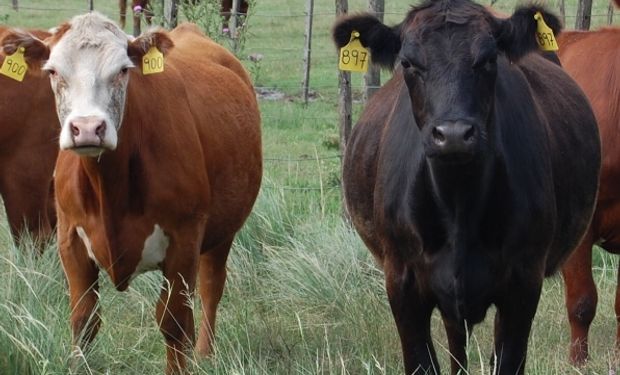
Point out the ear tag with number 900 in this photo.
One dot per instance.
(14, 66)
(152, 61)
(354, 57)
(544, 35)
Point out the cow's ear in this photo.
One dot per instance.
(383, 41)
(138, 47)
(516, 36)
(35, 50)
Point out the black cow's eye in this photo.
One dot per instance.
(405, 64)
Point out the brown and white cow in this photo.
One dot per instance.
(592, 58)
(28, 142)
(155, 171)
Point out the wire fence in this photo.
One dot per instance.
(270, 54)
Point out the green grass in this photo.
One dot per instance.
(303, 295)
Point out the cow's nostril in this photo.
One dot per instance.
(469, 134)
(75, 131)
(100, 130)
(438, 135)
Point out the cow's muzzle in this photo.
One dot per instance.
(453, 141)
(88, 134)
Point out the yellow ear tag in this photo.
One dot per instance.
(14, 66)
(544, 35)
(152, 61)
(354, 57)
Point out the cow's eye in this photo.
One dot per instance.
(52, 72)
(124, 70)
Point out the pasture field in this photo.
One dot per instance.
(303, 295)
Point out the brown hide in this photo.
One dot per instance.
(189, 161)
(592, 58)
(29, 127)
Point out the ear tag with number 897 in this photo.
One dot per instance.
(354, 57)
(544, 35)
(14, 66)
(152, 61)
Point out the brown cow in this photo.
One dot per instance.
(592, 58)
(226, 11)
(29, 150)
(460, 174)
(138, 8)
(155, 171)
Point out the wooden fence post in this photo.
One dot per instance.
(15, 5)
(171, 10)
(307, 49)
(344, 106)
(584, 15)
(610, 13)
(91, 5)
(563, 12)
(232, 25)
(372, 78)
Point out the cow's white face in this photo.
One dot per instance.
(89, 74)
(88, 61)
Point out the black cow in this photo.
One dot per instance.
(471, 175)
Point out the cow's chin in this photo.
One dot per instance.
(89, 151)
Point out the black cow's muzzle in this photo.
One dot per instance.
(454, 142)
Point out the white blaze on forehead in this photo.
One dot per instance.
(87, 244)
(88, 58)
(154, 251)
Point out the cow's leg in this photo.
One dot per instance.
(513, 323)
(174, 309)
(412, 315)
(581, 299)
(211, 279)
(457, 342)
(82, 274)
(225, 13)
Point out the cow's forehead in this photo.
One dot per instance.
(441, 15)
(91, 35)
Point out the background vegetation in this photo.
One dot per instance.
(303, 295)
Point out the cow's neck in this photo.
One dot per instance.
(116, 181)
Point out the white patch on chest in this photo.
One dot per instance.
(87, 244)
(154, 251)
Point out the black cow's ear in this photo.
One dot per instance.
(383, 41)
(516, 36)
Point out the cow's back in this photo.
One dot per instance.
(227, 119)
(592, 59)
(572, 130)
